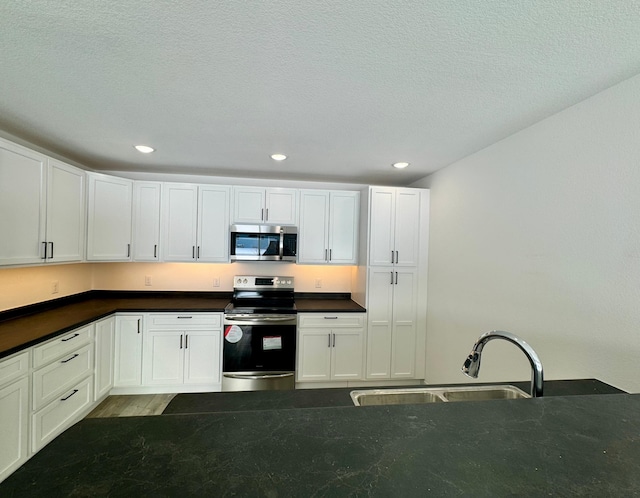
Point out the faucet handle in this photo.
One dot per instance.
(471, 365)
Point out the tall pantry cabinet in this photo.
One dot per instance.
(396, 282)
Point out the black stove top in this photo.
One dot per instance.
(262, 295)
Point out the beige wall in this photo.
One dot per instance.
(539, 235)
(23, 286)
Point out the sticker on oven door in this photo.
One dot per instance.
(232, 334)
(271, 342)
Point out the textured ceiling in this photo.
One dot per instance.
(345, 88)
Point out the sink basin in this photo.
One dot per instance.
(481, 393)
(395, 397)
(371, 397)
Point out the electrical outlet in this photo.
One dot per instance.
(318, 283)
(216, 281)
(147, 280)
(55, 287)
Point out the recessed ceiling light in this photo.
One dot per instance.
(278, 157)
(145, 149)
(400, 165)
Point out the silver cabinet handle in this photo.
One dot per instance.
(69, 338)
(262, 214)
(69, 359)
(66, 398)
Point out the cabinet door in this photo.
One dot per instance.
(22, 205)
(343, 228)
(213, 224)
(380, 322)
(407, 227)
(179, 215)
(146, 221)
(202, 356)
(347, 354)
(14, 426)
(104, 349)
(248, 205)
(65, 212)
(128, 351)
(109, 223)
(313, 241)
(381, 226)
(314, 355)
(403, 346)
(281, 206)
(163, 357)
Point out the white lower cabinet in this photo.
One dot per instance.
(14, 413)
(330, 347)
(128, 351)
(103, 352)
(392, 329)
(185, 356)
(62, 383)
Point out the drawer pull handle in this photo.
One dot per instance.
(69, 338)
(65, 399)
(69, 359)
(330, 317)
(185, 317)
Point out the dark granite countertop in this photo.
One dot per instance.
(33, 324)
(560, 446)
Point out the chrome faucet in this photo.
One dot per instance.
(471, 366)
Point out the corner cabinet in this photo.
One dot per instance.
(275, 206)
(109, 218)
(42, 206)
(328, 231)
(330, 347)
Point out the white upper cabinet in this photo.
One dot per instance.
(22, 205)
(275, 206)
(42, 207)
(213, 223)
(109, 218)
(146, 221)
(394, 226)
(328, 227)
(195, 222)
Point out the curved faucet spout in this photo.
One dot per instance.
(471, 366)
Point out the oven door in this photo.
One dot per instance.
(259, 354)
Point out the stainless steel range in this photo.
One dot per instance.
(259, 347)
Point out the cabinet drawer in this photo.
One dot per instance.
(185, 320)
(60, 413)
(14, 367)
(52, 380)
(331, 320)
(60, 346)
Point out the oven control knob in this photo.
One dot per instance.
(244, 281)
(289, 281)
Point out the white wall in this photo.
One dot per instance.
(539, 234)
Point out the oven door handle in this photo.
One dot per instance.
(260, 319)
(258, 377)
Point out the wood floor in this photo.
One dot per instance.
(131, 405)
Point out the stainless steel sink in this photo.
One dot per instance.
(371, 397)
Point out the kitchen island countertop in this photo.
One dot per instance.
(561, 446)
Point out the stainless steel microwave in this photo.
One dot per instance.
(263, 243)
